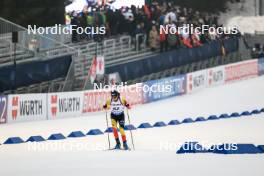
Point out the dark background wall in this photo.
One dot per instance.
(33, 12)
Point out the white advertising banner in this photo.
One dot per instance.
(63, 105)
(27, 107)
(216, 76)
(196, 80)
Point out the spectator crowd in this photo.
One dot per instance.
(147, 20)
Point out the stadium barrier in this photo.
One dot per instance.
(177, 84)
(31, 107)
(64, 105)
(216, 76)
(261, 66)
(157, 63)
(26, 107)
(93, 100)
(3, 109)
(241, 70)
(196, 81)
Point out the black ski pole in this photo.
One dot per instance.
(131, 134)
(109, 145)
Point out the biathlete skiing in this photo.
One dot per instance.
(117, 106)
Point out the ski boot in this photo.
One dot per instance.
(125, 146)
(118, 145)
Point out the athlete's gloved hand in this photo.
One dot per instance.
(128, 106)
(105, 106)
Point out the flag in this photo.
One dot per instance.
(92, 71)
(100, 65)
(97, 67)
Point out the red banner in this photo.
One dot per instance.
(241, 71)
(93, 101)
(133, 94)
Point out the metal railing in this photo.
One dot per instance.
(111, 49)
(32, 47)
(41, 45)
(140, 41)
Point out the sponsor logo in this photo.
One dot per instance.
(53, 102)
(241, 71)
(14, 107)
(196, 81)
(191, 82)
(132, 96)
(164, 88)
(30, 107)
(64, 105)
(218, 76)
(215, 76)
(93, 101)
(26, 107)
(69, 104)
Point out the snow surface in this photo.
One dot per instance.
(155, 148)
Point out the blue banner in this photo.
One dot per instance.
(261, 66)
(34, 72)
(160, 89)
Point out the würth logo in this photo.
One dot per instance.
(190, 79)
(54, 100)
(69, 104)
(14, 107)
(210, 79)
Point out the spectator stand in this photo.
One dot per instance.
(29, 48)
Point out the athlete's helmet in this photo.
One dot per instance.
(115, 93)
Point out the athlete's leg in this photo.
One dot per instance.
(121, 121)
(114, 126)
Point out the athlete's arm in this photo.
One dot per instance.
(125, 103)
(107, 104)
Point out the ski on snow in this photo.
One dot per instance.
(113, 149)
